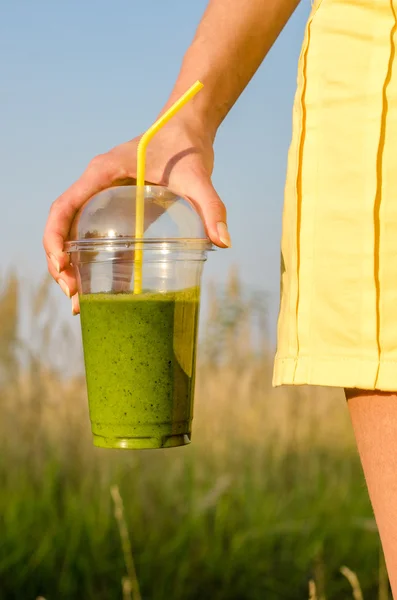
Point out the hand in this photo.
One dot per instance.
(179, 157)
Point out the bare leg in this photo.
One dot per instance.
(374, 418)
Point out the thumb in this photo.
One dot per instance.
(213, 211)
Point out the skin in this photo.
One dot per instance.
(374, 418)
(231, 41)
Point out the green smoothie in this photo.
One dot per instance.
(140, 354)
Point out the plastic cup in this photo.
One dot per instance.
(139, 349)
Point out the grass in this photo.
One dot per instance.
(267, 503)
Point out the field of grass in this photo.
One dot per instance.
(268, 502)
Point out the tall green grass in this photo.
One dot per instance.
(267, 503)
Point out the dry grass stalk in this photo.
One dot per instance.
(353, 580)
(127, 588)
(133, 585)
(9, 311)
(312, 590)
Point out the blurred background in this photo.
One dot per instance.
(269, 501)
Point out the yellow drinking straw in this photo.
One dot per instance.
(140, 176)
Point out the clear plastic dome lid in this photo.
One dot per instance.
(109, 218)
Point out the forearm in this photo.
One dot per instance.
(231, 41)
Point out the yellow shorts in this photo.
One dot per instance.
(338, 314)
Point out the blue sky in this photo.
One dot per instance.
(79, 77)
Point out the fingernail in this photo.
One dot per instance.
(224, 235)
(64, 287)
(75, 305)
(55, 263)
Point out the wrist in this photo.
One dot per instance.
(198, 115)
(192, 120)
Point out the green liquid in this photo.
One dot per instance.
(140, 355)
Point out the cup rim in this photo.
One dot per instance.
(130, 243)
